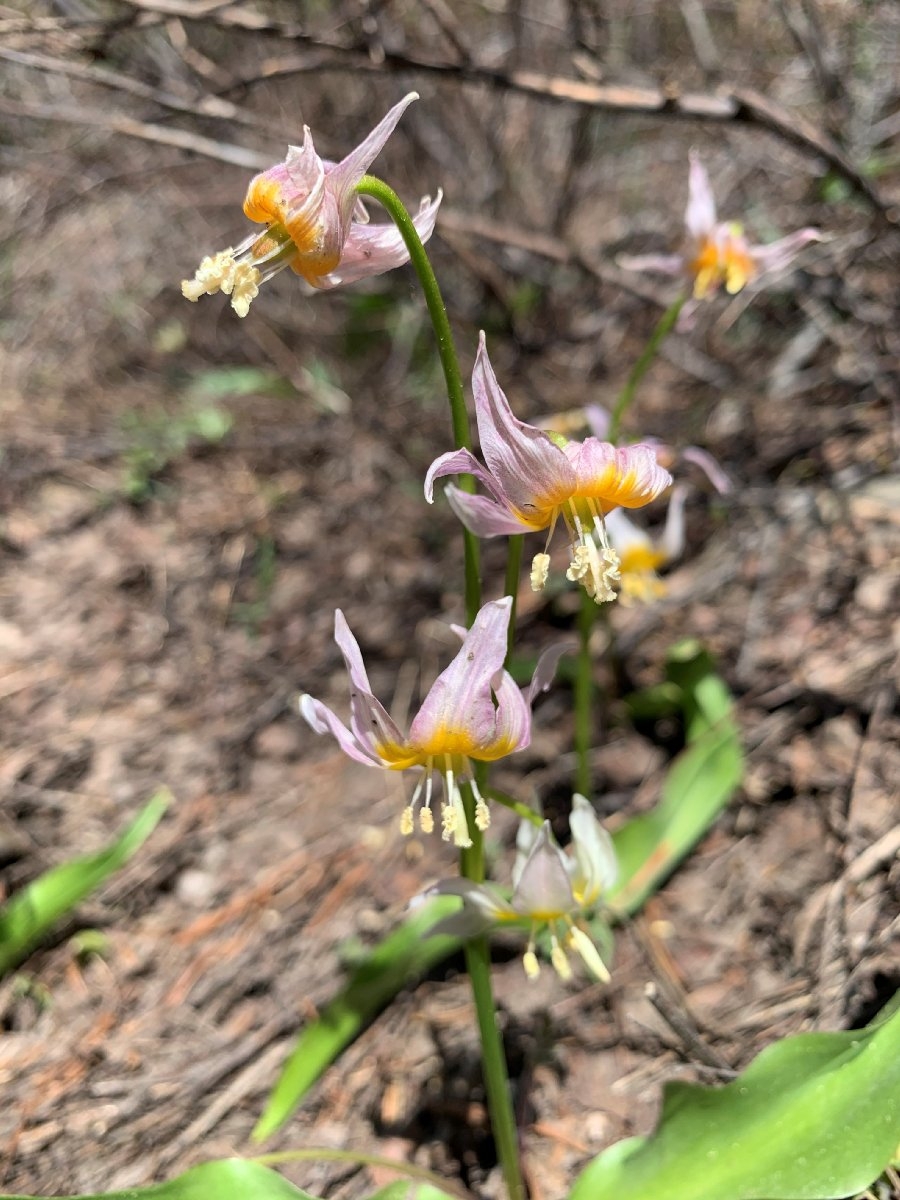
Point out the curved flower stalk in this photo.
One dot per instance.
(552, 891)
(534, 480)
(315, 222)
(716, 252)
(473, 712)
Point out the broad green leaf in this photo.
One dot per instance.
(31, 912)
(404, 955)
(218, 382)
(813, 1117)
(699, 784)
(404, 1189)
(227, 1179)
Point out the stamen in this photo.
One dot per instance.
(482, 812)
(580, 942)
(540, 570)
(426, 820)
(243, 287)
(215, 273)
(559, 960)
(407, 820)
(531, 964)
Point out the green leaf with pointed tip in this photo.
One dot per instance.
(698, 785)
(226, 1179)
(404, 955)
(30, 913)
(813, 1117)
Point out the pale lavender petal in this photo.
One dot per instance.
(659, 264)
(321, 719)
(700, 215)
(458, 462)
(544, 889)
(777, 255)
(526, 836)
(343, 178)
(546, 669)
(373, 249)
(369, 719)
(598, 420)
(708, 465)
(480, 896)
(596, 865)
(626, 475)
(531, 472)
(460, 705)
(672, 541)
(482, 516)
(513, 713)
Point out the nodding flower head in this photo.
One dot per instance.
(315, 224)
(534, 480)
(473, 712)
(552, 893)
(717, 253)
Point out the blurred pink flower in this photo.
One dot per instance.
(533, 480)
(716, 252)
(474, 711)
(316, 224)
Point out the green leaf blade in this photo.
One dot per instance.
(31, 913)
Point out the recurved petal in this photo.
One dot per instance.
(777, 255)
(344, 177)
(459, 715)
(626, 475)
(531, 472)
(321, 719)
(481, 515)
(513, 713)
(458, 462)
(700, 214)
(480, 896)
(596, 865)
(369, 720)
(660, 264)
(545, 670)
(544, 890)
(373, 249)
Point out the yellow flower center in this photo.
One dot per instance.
(726, 262)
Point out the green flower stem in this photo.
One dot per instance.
(493, 1057)
(584, 677)
(478, 959)
(516, 806)
(388, 198)
(663, 328)
(584, 696)
(511, 586)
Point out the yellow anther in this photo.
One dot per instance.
(482, 815)
(426, 820)
(580, 942)
(407, 821)
(540, 569)
(559, 961)
(531, 964)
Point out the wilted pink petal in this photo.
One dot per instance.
(777, 255)
(373, 249)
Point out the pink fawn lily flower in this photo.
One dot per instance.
(552, 891)
(533, 480)
(315, 224)
(474, 711)
(716, 252)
